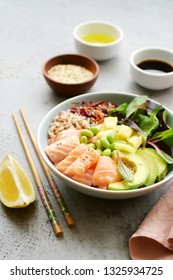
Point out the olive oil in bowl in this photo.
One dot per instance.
(98, 38)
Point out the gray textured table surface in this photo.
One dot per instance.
(31, 32)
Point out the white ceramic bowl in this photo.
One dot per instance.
(117, 98)
(151, 78)
(98, 51)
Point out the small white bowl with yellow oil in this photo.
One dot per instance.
(98, 39)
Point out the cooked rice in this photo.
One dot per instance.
(66, 120)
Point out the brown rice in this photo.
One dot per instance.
(66, 120)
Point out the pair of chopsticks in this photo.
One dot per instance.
(42, 192)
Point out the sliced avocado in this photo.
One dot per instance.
(161, 163)
(124, 147)
(152, 165)
(140, 171)
(118, 186)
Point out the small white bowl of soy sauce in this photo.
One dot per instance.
(152, 68)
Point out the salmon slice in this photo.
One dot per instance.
(86, 178)
(63, 134)
(105, 172)
(83, 162)
(61, 148)
(72, 156)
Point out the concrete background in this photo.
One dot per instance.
(30, 33)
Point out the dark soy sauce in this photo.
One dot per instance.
(155, 66)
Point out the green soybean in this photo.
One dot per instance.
(88, 133)
(107, 152)
(112, 146)
(83, 139)
(95, 130)
(114, 155)
(98, 144)
(92, 145)
(104, 142)
(111, 138)
(99, 151)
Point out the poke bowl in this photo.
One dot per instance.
(108, 133)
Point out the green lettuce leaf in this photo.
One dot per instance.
(136, 103)
(120, 109)
(165, 136)
(164, 155)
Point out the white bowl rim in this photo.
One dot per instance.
(147, 73)
(98, 22)
(89, 188)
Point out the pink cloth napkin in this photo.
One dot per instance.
(153, 240)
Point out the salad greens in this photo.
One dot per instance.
(149, 120)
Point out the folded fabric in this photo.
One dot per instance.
(153, 240)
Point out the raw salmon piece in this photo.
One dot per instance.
(61, 148)
(86, 178)
(63, 134)
(52, 140)
(83, 162)
(105, 172)
(72, 156)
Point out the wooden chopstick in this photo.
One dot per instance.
(42, 192)
(64, 209)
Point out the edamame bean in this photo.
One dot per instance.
(107, 152)
(95, 130)
(114, 155)
(99, 151)
(83, 139)
(92, 145)
(87, 132)
(112, 146)
(104, 142)
(111, 138)
(98, 144)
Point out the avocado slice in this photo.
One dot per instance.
(123, 146)
(139, 169)
(161, 163)
(152, 165)
(118, 186)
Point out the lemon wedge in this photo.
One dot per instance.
(16, 189)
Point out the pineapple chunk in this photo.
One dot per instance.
(100, 126)
(123, 132)
(110, 122)
(135, 141)
(105, 133)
